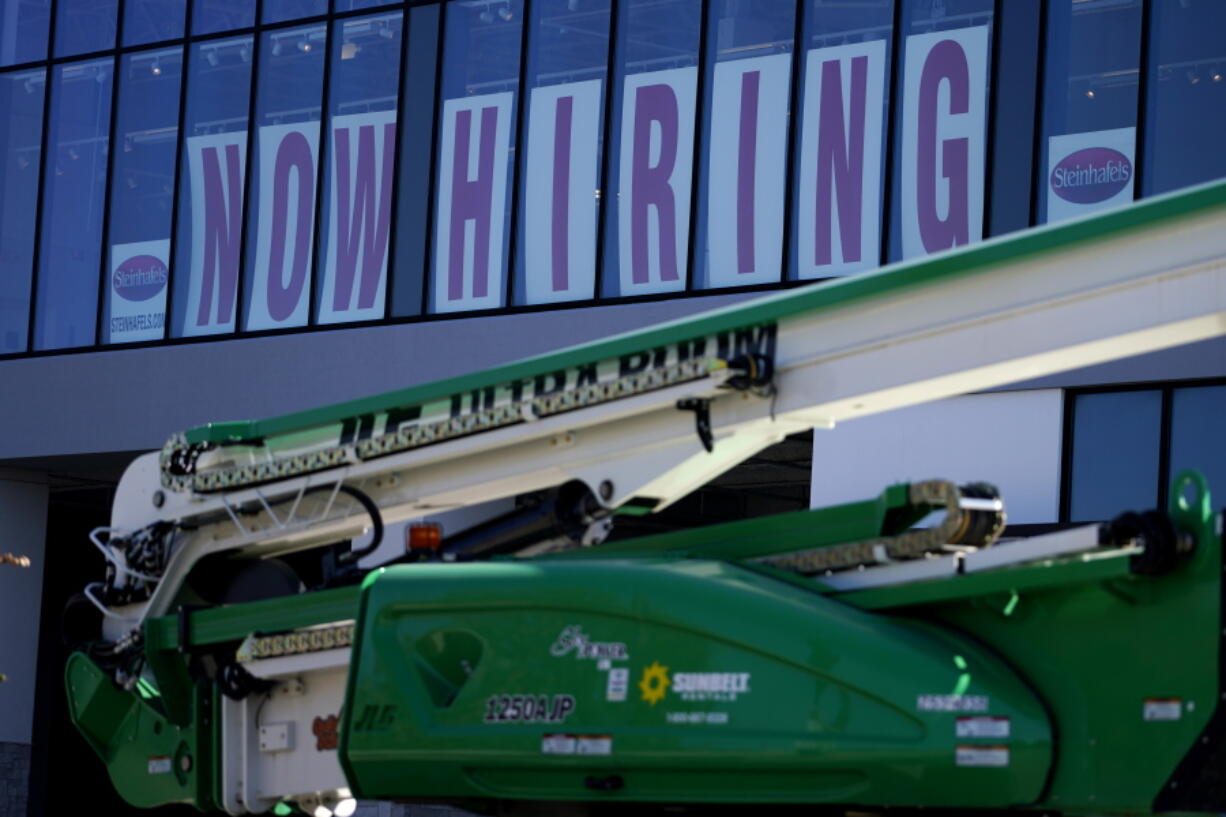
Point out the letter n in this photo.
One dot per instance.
(223, 216)
(840, 161)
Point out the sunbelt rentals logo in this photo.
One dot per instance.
(655, 683)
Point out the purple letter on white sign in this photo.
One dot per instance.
(657, 140)
(944, 115)
(746, 171)
(284, 241)
(839, 191)
(560, 238)
(359, 216)
(469, 269)
(217, 163)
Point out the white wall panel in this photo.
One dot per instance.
(1011, 439)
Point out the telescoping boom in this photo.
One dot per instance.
(244, 661)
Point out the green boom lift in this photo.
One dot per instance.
(244, 655)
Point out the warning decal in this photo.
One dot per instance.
(984, 726)
(1162, 709)
(982, 756)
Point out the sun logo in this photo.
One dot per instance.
(654, 682)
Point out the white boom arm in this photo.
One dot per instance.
(1146, 278)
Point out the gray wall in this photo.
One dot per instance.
(23, 527)
(133, 399)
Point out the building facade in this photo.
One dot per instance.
(220, 209)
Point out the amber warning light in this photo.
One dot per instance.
(423, 536)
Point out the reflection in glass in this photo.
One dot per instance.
(281, 220)
(743, 161)
(937, 203)
(211, 172)
(276, 11)
(1115, 453)
(146, 135)
(354, 5)
(359, 168)
(1089, 104)
(476, 130)
(1186, 114)
(209, 16)
(566, 76)
(21, 123)
(1198, 435)
(71, 237)
(23, 30)
(152, 21)
(840, 181)
(82, 26)
(651, 164)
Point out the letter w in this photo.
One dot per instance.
(360, 226)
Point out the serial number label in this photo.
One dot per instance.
(528, 708)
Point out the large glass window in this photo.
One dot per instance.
(1186, 101)
(1087, 151)
(75, 179)
(209, 16)
(151, 21)
(354, 5)
(650, 168)
(1198, 435)
(476, 130)
(359, 176)
(284, 167)
(277, 10)
(1115, 453)
(211, 173)
(840, 142)
(136, 271)
(82, 26)
(568, 54)
(743, 162)
(941, 134)
(23, 30)
(21, 124)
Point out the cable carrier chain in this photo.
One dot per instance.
(248, 650)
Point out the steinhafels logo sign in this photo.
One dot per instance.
(1089, 172)
(1091, 175)
(139, 278)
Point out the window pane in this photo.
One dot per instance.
(209, 16)
(647, 233)
(939, 177)
(205, 279)
(566, 77)
(360, 157)
(23, 30)
(21, 115)
(277, 10)
(1089, 107)
(72, 205)
(82, 26)
(1186, 103)
(142, 183)
(281, 220)
(151, 21)
(743, 162)
(1198, 436)
(354, 5)
(836, 216)
(1115, 453)
(476, 142)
